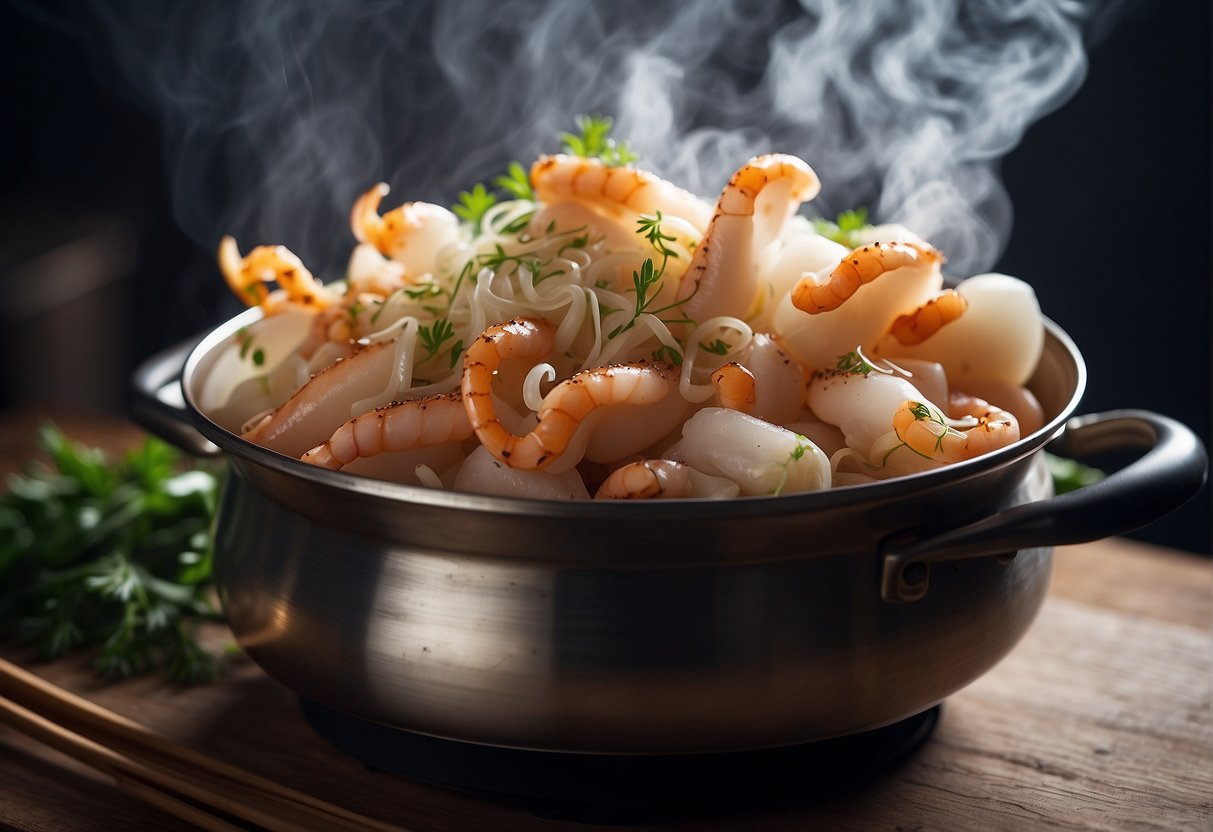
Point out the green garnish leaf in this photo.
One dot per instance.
(845, 228)
(473, 205)
(668, 354)
(515, 182)
(248, 351)
(518, 224)
(434, 336)
(854, 363)
(110, 555)
(717, 347)
(594, 142)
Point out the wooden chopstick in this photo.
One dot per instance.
(133, 777)
(133, 754)
(171, 805)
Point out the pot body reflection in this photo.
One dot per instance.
(648, 634)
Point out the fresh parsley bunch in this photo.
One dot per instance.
(116, 554)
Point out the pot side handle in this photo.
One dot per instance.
(157, 403)
(1171, 471)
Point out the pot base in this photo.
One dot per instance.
(609, 788)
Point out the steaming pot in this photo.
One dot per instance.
(654, 627)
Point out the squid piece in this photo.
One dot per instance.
(759, 457)
(722, 278)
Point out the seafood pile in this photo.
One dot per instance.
(601, 332)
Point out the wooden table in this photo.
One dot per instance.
(1101, 719)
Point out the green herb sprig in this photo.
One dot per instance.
(115, 554)
(433, 338)
(798, 451)
(646, 283)
(854, 363)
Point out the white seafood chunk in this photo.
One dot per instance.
(861, 406)
(999, 337)
(760, 457)
(484, 474)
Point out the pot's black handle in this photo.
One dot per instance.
(1171, 472)
(157, 403)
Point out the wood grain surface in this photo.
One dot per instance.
(1101, 719)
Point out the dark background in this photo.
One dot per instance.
(1111, 196)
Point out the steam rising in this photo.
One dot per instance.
(278, 115)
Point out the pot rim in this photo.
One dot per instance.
(740, 506)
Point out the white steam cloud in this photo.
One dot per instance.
(279, 114)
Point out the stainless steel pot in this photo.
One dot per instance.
(658, 627)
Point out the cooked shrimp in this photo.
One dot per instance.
(797, 249)
(919, 325)
(735, 388)
(400, 426)
(619, 193)
(662, 479)
(925, 431)
(752, 208)
(411, 234)
(564, 409)
(571, 403)
(646, 479)
(526, 338)
(1010, 397)
(841, 315)
(863, 265)
(249, 275)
